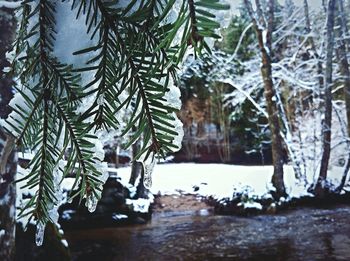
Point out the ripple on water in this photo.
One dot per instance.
(304, 234)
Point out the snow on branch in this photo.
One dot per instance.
(10, 5)
(289, 76)
(250, 98)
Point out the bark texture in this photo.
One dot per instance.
(341, 51)
(265, 45)
(327, 122)
(8, 160)
(311, 41)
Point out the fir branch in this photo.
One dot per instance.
(102, 86)
(75, 142)
(155, 146)
(67, 84)
(40, 212)
(195, 37)
(29, 119)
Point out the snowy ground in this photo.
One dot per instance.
(220, 180)
(216, 180)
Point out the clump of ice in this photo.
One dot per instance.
(92, 198)
(39, 235)
(148, 166)
(91, 203)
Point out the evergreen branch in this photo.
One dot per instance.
(29, 119)
(39, 211)
(194, 29)
(102, 85)
(155, 146)
(72, 95)
(74, 140)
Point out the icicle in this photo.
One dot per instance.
(39, 235)
(91, 203)
(148, 166)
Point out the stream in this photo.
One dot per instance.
(302, 234)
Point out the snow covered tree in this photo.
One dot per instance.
(327, 123)
(264, 26)
(76, 65)
(341, 52)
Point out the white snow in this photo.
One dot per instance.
(2, 233)
(139, 205)
(67, 214)
(221, 180)
(64, 242)
(11, 5)
(250, 204)
(119, 216)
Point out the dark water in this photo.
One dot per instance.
(304, 234)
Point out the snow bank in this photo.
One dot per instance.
(222, 181)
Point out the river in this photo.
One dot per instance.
(302, 234)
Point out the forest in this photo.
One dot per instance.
(174, 129)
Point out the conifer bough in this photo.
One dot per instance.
(80, 65)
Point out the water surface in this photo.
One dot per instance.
(303, 234)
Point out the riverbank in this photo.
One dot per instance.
(238, 190)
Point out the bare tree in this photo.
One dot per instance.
(341, 51)
(264, 29)
(327, 122)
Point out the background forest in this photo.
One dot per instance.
(225, 111)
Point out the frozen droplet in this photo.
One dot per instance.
(39, 235)
(148, 166)
(53, 214)
(101, 100)
(91, 203)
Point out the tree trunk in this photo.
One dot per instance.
(345, 73)
(316, 93)
(8, 160)
(8, 165)
(141, 191)
(327, 123)
(313, 46)
(270, 94)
